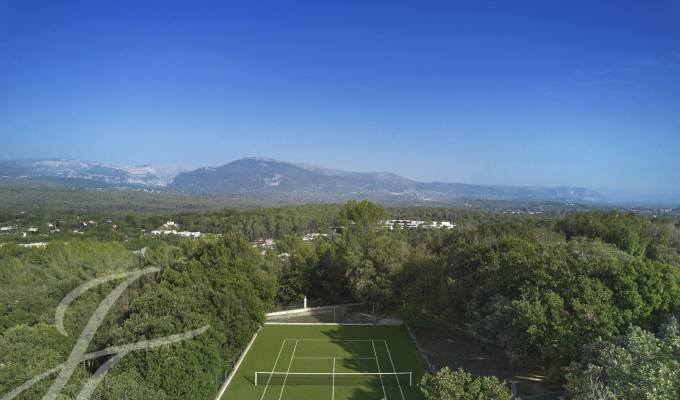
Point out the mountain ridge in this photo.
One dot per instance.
(268, 178)
(285, 180)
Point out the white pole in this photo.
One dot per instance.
(255, 378)
(305, 305)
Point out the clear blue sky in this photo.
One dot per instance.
(548, 93)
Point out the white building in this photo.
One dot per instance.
(411, 224)
(311, 236)
(34, 245)
(265, 244)
(189, 234)
(174, 232)
(169, 225)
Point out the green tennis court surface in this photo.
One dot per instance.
(334, 362)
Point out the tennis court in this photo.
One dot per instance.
(335, 362)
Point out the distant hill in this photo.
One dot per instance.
(86, 171)
(260, 177)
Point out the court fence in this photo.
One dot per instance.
(233, 370)
(351, 313)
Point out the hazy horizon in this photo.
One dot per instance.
(611, 194)
(532, 94)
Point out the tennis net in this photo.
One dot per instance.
(333, 378)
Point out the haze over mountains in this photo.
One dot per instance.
(272, 179)
(146, 175)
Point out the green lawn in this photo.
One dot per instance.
(290, 350)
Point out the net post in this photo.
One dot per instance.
(410, 378)
(255, 378)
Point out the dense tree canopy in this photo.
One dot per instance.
(549, 289)
(636, 366)
(221, 282)
(461, 385)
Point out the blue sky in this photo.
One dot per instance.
(583, 93)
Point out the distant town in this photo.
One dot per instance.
(27, 236)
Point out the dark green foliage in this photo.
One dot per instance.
(533, 294)
(636, 366)
(461, 385)
(628, 232)
(127, 385)
(221, 282)
(370, 256)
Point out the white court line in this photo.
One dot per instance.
(378, 364)
(393, 369)
(289, 364)
(331, 358)
(399, 323)
(273, 369)
(336, 340)
(333, 395)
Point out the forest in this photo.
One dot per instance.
(594, 297)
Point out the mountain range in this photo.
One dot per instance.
(264, 178)
(143, 175)
(261, 177)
